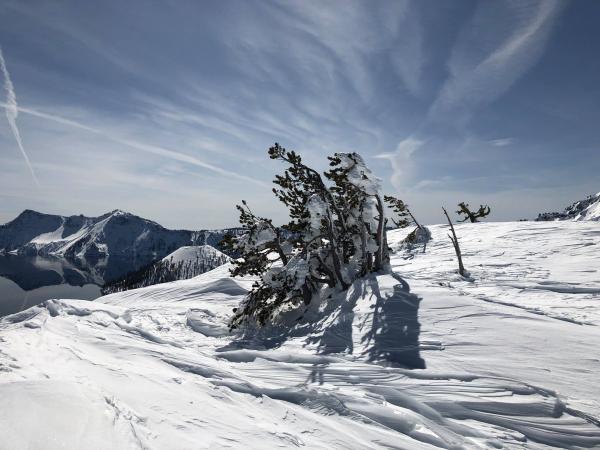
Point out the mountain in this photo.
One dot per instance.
(587, 209)
(195, 253)
(185, 262)
(130, 241)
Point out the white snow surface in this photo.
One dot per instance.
(511, 357)
(592, 212)
(192, 253)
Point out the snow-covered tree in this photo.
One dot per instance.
(404, 218)
(482, 212)
(336, 234)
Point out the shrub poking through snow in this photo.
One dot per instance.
(482, 212)
(336, 234)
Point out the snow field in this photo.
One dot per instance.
(418, 359)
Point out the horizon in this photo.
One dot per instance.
(237, 225)
(167, 113)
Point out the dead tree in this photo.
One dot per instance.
(454, 239)
(482, 212)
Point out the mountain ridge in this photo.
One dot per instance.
(586, 209)
(116, 234)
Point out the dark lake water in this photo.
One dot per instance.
(26, 281)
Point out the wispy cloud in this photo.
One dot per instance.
(496, 47)
(502, 142)
(12, 112)
(515, 34)
(407, 53)
(147, 148)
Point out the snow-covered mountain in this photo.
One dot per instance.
(184, 263)
(196, 253)
(587, 209)
(119, 235)
(418, 359)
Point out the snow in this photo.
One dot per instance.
(592, 212)
(428, 360)
(358, 173)
(192, 253)
(317, 209)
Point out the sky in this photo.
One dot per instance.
(166, 108)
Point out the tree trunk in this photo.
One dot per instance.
(454, 239)
(337, 264)
(367, 257)
(414, 220)
(381, 255)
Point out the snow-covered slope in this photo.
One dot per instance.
(588, 209)
(430, 360)
(192, 253)
(185, 262)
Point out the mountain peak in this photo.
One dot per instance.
(120, 212)
(31, 212)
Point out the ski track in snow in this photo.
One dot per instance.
(511, 357)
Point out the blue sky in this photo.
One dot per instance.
(166, 108)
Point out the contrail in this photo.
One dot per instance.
(12, 112)
(160, 151)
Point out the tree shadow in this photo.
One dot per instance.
(394, 331)
(337, 334)
(393, 336)
(317, 374)
(395, 328)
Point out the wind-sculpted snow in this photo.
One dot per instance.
(418, 359)
(551, 269)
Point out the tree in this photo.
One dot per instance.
(336, 234)
(405, 216)
(482, 212)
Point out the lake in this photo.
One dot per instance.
(26, 281)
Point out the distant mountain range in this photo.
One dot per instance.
(127, 241)
(587, 209)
